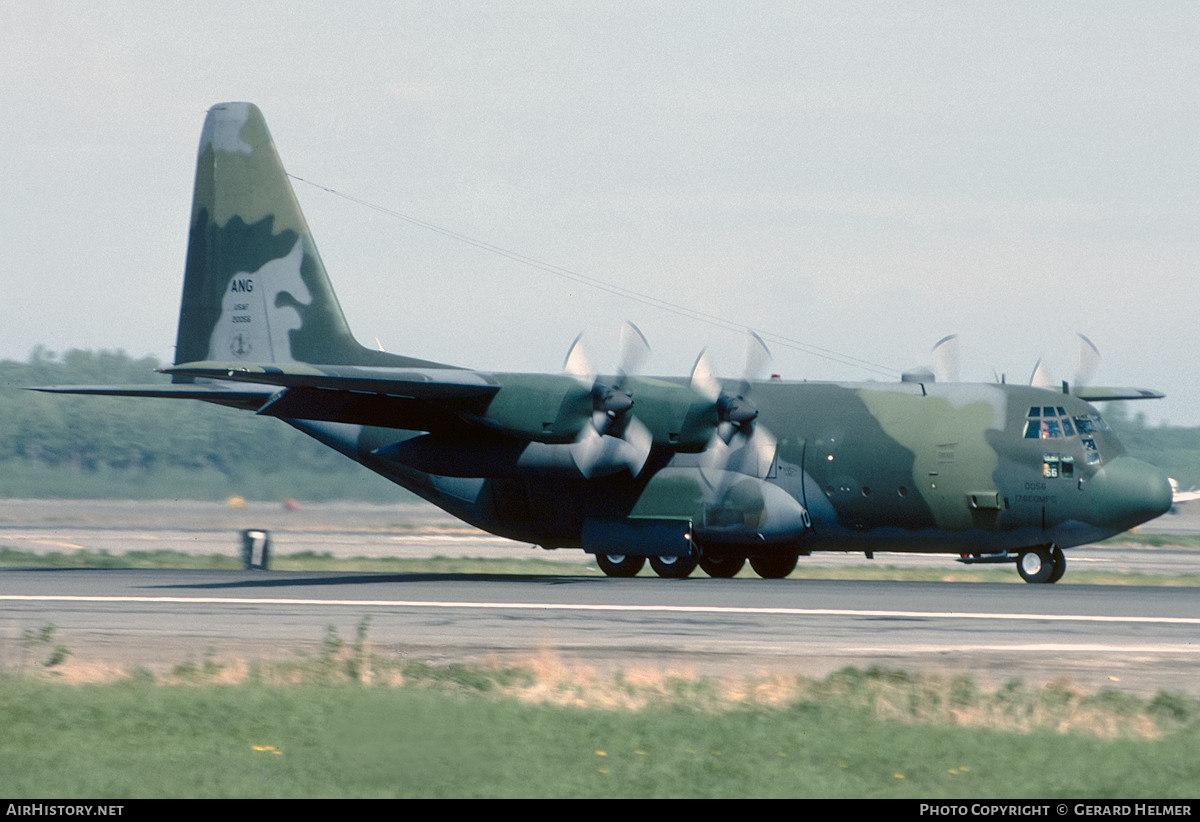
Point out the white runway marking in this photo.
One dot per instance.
(552, 606)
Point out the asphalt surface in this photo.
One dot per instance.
(416, 530)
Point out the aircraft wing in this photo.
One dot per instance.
(424, 399)
(1105, 393)
(412, 383)
(1178, 497)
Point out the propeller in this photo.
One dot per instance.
(613, 435)
(944, 367)
(1087, 358)
(740, 442)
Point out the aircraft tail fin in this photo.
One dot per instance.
(255, 289)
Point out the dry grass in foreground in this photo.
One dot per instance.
(547, 679)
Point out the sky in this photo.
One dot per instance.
(851, 180)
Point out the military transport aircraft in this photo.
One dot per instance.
(680, 472)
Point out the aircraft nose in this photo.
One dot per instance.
(1127, 492)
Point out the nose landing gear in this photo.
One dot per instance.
(1042, 564)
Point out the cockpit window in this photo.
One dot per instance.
(1048, 422)
(1091, 424)
(1043, 423)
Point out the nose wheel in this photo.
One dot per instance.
(1046, 564)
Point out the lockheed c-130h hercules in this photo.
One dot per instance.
(679, 472)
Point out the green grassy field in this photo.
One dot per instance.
(339, 725)
(344, 723)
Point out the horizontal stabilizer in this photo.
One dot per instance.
(243, 397)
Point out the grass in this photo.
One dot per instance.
(347, 723)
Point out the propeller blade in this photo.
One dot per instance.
(760, 452)
(587, 452)
(579, 365)
(1041, 378)
(634, 350)
(1086, 361)
(945, 359)
(751, 454)
(639, 441)
(758, 357)
(704, 379)
(714, 458)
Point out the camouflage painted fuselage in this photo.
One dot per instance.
(627, 466)
(874, 467)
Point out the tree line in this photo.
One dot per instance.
(71, 446)
(79, 446)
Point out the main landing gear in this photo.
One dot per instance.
(773, 566)
(722, 567)
(673, 567)
(1045, 564)
(620, 565)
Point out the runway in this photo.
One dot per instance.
(1139, 639)
(415, 530)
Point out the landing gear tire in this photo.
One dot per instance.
(1042, 565)
(722, 567)
(673, 567)
(620, 565)
(1060, 564)
(776, 566)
